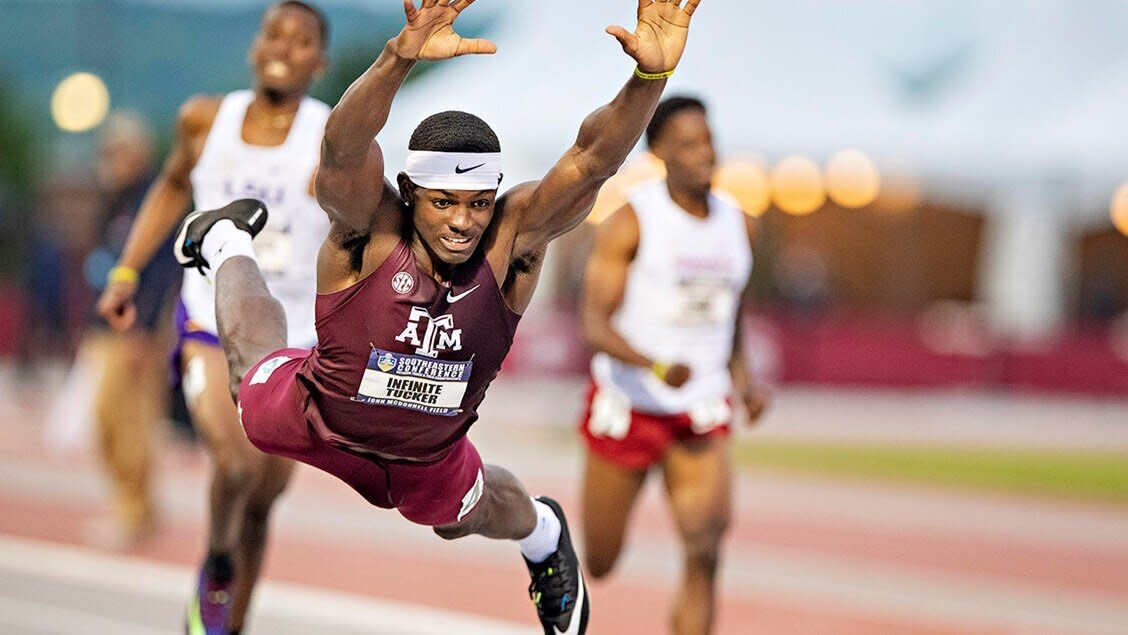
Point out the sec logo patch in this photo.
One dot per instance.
(403, 283)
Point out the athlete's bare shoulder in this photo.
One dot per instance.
(193, 123)
(197, 115)
(620, 231)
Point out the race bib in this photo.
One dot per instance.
(413, 382)
(274, 251)
(702, 301)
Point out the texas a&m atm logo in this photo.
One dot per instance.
(439, 333)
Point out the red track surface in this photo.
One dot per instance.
(901, 558)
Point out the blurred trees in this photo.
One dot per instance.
(19, 167)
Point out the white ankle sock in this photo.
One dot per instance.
(544, 540)
(223, 241)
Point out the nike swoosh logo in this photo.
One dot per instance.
(458, 169)
(577, 611)
(451, 299)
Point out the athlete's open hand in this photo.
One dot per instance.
(116, 304)
(659, 39)
(429, 32)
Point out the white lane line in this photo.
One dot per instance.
(27, 616)
(142, 578)
(893, 590)
(888, 590)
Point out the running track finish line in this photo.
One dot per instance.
(52, 588)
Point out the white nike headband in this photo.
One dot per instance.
(454, 170)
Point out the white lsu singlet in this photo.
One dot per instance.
(280, 176)
(680, 304)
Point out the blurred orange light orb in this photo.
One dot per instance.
(797, 186)
(747, 182)
(1119, 209)
(852, 179)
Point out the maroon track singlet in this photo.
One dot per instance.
(402, 362)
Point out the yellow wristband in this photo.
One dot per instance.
(122, 273)
(652, 76)
(660, 369)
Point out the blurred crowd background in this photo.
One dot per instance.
(941, 185)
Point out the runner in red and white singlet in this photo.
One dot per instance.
(662, 309)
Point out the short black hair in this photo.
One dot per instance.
(454, 131)
(666, 109)
(322, 22)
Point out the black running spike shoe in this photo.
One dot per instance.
(248, 214)
(558, 588)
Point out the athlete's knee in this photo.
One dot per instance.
(702, 539)
(476, 520)
(598, 563)
(603, 542)
(269, 487)
(704, 554)
(457, 530)
(236, 468)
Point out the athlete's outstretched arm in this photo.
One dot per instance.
(350, 178)
(557, 203)
(605, 281)
(164, 205)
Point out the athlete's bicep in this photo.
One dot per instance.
(351, 192)
(605, 277)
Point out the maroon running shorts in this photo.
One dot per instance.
(646, 437)
(272, 405)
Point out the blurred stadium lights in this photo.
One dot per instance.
(747, 182)
(852, 179)
(797, 186)
(1119, 209)
(80, 102)
(899, 193)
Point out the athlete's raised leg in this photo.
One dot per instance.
(698, 482)
(251, 322)
(609, 494)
